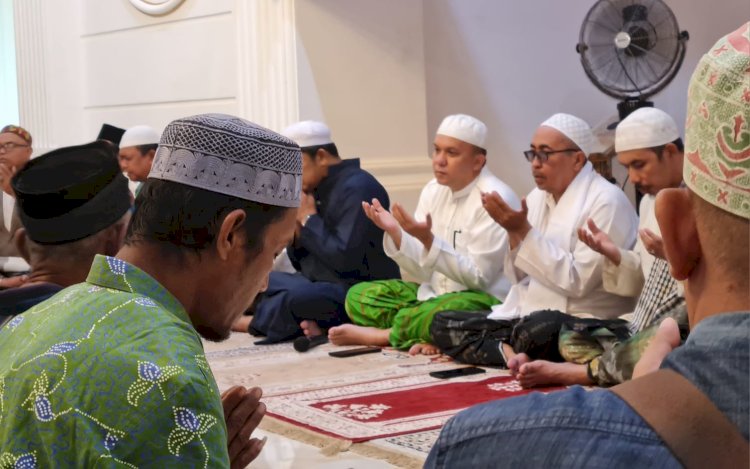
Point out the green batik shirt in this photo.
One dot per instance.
(110, 373)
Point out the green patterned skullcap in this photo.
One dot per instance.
(717, 130)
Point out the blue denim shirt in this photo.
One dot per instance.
(578, 428)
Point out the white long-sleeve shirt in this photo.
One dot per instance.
(469, 247)
(559, 271)
(627, 279)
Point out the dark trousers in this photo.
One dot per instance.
(470, 337)
(291, 299)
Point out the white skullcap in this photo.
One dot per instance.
(646, 127)
(308, 134)
(139, 135)
(575, 128)
(465, 128)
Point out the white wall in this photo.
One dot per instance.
(8, 82)
(512, 64)
(148, 70)
(361, 70)
(86, 62)
(381, 73)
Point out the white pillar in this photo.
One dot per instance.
(267, 62)
(31, 71)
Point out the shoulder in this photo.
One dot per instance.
(488, 182)
(147, 365)
(608, 189)
(725, 381)
(523, 425)
(603, 193)
(432, 188)
(362, 180)
(536, 196)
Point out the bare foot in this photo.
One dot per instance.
(666, 339)
(515, 362)
(311, 328)
(424, 349)
(544, 373)
(349, 334)
(242, 324)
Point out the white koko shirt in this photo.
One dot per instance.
(469, 247)
(552, 268)
(627, 279)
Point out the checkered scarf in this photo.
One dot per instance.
(659, 297)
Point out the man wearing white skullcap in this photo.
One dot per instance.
(335, 245)
(137, 150)
(648, 144)
(689, 405)
(555, 276)
(118, 373)
(451, 246)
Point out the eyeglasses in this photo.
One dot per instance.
(6, 147)
(543, 155)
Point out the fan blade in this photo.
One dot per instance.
(604, 26)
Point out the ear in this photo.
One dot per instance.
(151, 154)
(19, 239)
(479, 161)
(115, 238)
(230, 237)
(678, 231)
(581, 159)
(321, 157)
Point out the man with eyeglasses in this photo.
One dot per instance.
(690, 405)
(556, 277)
(648, 144)
(15, 152)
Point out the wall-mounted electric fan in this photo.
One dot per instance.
(631, 49)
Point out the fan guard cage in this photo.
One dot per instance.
(631, 49)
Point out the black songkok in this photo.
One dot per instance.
(110, 133)
(71, 193)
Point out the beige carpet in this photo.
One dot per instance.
(278, 369)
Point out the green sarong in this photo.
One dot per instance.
(393, 304)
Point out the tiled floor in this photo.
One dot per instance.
(283, 453)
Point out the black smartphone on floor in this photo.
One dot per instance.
(354, 352)
(456, 372)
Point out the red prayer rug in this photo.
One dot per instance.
(389, 407)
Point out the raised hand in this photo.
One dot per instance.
(382, 218)
(243, 412)
(6, 174)
(422, 230)
(503, 214)
(306, 207)
(599, 241)
(516, 223)
(653, 243)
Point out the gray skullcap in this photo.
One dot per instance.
(231, 156)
